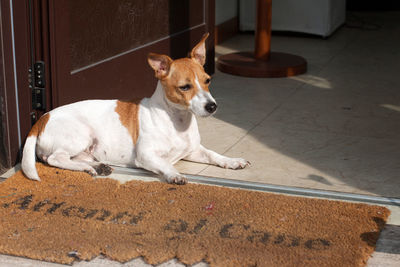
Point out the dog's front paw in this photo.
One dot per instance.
(235, 163)
(177, 179)
(91, 171)
(103, 169)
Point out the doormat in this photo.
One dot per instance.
(70, 216)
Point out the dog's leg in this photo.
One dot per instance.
(101, 168)
(203, 155)
(160, 166)
(62, 159)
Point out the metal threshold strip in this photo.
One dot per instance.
(298, 191)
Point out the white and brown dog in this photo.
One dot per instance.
(152, 133)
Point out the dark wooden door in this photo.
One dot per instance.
(91, 49)
(98, 48)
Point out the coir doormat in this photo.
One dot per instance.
(70, 216)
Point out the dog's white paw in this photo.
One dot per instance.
(91, 171)
(177, 179)
(235, 163)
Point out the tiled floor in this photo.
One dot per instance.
(335, 128)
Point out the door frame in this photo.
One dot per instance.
(15, 52)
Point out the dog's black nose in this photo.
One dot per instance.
(211, 107)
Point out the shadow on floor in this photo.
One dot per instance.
(342, 118)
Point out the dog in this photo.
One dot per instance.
(152, 133)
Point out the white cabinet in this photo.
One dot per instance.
(320, 17)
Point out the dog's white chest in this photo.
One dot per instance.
(170, 137)
(180, 146)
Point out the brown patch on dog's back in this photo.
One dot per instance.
(128, 112)
(39, 126)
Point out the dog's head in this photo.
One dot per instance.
(184, 80)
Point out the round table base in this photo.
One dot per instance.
(278, 65)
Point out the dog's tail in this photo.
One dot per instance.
(29, 158)
(28, 163)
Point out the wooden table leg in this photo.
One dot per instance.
(262, 46)
(263, 62)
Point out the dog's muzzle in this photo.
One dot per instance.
(211, 107)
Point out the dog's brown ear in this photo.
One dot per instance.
(199, 51)
(160, 64)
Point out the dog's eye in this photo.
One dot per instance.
(208, 81)
(185, 87)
